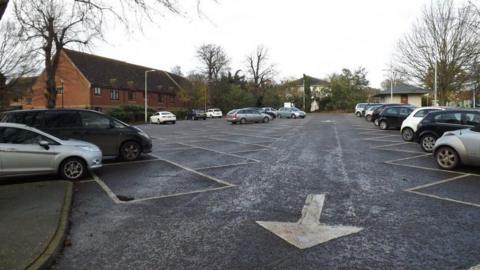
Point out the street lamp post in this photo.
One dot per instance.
(146, 94)
(435, 83)
(63, 91)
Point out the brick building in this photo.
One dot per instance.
(99, 83)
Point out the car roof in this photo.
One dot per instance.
(56, 109)
(14, 125)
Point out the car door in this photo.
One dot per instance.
(22, 154)
(390, 115)
(402, 115)
(471, 140)
(101, 131)
(448, 121)
(64, 124)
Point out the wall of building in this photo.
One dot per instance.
(76, 88)
(78, 93)
(415, 100)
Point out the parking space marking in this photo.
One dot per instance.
(249, 135)
(444, 198)
(224, 166)
(130, 162)
(116, 200)
(252, 144)
(220, 152)
(388, 145)
(250, 151)
(439, 182)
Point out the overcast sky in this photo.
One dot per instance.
(303, 36)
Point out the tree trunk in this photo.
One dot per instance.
(50, 68)
(3, 7)
(4, 97)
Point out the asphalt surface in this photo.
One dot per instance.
(194, 203)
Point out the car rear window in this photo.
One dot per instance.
(472, 119)
(422, 113)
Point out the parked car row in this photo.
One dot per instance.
(262, 115)
(67, 141)
(451, 134)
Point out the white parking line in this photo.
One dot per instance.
(438, 182)
(129, 162)
(388, 145)
(220, 152)
(254, 136)
(224, 166)
(444, 198)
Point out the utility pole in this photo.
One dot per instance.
(303, 92)
(146, 94)
(435, 83)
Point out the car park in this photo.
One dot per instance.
(286, 112)
(196, 114)
(214, 113)
(113, 137)
(247, 115)
(435, 124)
(163, 117)
(392, 117)
(409, 125)
(26, 150)
(459, 147)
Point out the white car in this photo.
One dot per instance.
(26, 150)
(409, 125)
(163, 117)
(214, 113)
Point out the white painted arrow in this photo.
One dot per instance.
(308, 231)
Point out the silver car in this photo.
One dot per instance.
(458, 147)
(293, 112)
(247, 115)
(28, 151)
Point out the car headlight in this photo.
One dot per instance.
(89, 148)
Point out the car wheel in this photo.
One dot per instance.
(376, 122)
(427, 142)
(243, 121)
(72, 168)
(159, 122)
(130, 151)
(383, 125)
(447, 158)
(407, 134)
(266, 120)
(358, 114)
(293, 116)
(368, 118)
(173, 122)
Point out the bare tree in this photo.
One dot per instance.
(177, 70)
(16, 59)
(261, 72)
(54, 24)
(214, 59)
(445, 37)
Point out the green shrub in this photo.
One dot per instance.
(130, 113)
(180, 113)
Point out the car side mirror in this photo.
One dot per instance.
(44, 144)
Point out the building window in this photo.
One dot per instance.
(97, 91)
(28, 101)
(98, 109)
(162, 98)
(131, 95)
(114, 94)
(60, 90)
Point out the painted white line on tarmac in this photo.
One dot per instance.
(224, 166)
(388, 145)
(177, 194)
(438, 182)
(254, 136)
(130, 162)
(107, 189)
(427, 168)
(444, 198)
(250, 151)
(220, 152)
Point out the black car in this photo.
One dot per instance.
(392, 117)
(112, 136)
(270, 111)
(436, 123)
(196, 114)
(379, 110)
